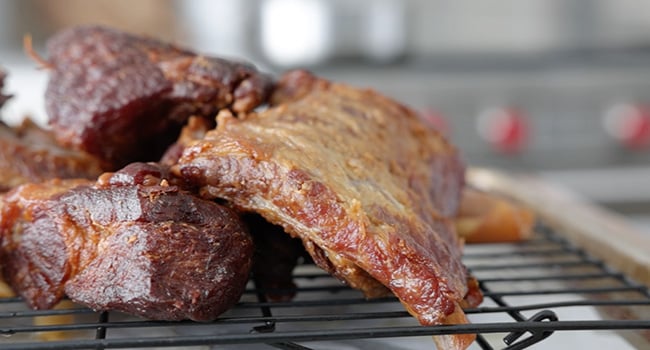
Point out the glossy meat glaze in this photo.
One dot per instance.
(368, 188)
(130, 242)
(124, 98)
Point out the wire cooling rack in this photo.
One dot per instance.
(533, 290)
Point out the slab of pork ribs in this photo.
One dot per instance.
(368, 188)
(130, 242)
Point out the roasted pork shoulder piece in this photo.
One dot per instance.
(124, 98)
(29, 153)
(129, 242)
(367, 187)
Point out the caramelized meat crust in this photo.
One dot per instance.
(195, 129)
(124, 98)
(31, 154)
(368, 188)
(124, 244)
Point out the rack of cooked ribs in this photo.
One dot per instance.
(298, 166)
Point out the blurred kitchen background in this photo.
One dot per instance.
(560, 88)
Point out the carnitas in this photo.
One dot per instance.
(124, 98)
(132, 242)
(29, 153)
(368, 188)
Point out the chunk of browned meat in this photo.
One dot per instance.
(368, 188)
(31, 154)
(129, 242)
(124, 98)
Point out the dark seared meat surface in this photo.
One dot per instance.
(124, 98)
(129, 242)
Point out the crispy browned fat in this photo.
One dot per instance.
(195, 129)
(124, 98)
(368, 188)
(129, 242)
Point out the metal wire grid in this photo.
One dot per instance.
(511, 275)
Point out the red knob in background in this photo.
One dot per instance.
(629, 124)
(505, 129)
(435, 119)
